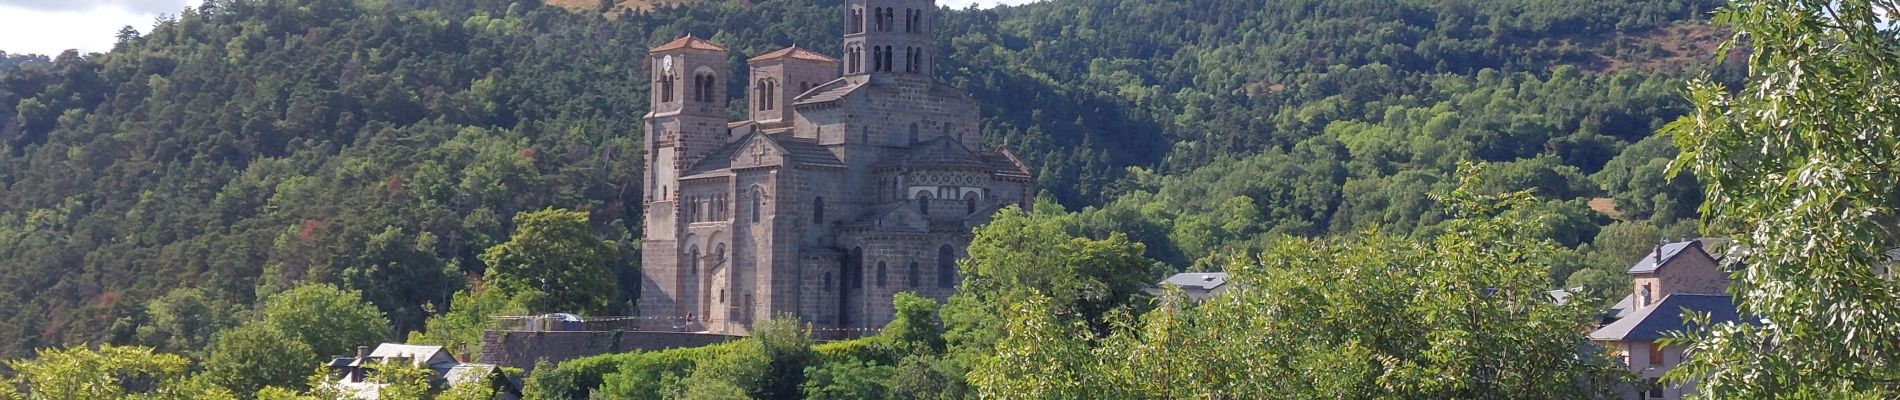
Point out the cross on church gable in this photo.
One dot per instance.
(758, 152)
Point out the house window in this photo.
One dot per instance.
(1646, 298)
(946, 267)
(1655, 389)
(1655, 354)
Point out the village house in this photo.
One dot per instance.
(1670, 281)
(1197, 286)
(356, 375)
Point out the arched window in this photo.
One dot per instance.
(692, 261)
(908, 28)
(915, 277)
(880, 19)
(758, 202)
(719, 255)
(946, 267)
(771, 94)
(706, 91)
(666, 88)
(913, 133)
(818, 210)
(854, 269)
(880, 274)
(923, 203)
(887, 58)
(722, 296)
(969, 203)
(877, 58)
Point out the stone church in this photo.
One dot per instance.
(855, 178)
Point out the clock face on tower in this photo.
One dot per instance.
(666, 64)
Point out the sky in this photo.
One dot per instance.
(51, 26)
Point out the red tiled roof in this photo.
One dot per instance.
(794, 52)
(689, 42)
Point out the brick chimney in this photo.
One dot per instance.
(356, 373)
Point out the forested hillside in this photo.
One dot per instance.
(246, 146)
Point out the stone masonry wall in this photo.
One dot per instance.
(523, 349)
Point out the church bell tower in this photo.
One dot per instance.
(890, 38)
(687, 120)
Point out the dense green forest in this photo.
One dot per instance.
(165, 190)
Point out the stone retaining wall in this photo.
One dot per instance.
(522, 349)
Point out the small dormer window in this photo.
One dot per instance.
(1646, 299)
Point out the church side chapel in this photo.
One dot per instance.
(855, 178)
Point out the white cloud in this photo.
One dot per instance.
(50, 26)
(136, 6)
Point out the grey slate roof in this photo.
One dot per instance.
(1623, 307)
(1651, 261)
(829, 91)
(945, 152)
(939, 152)
(1560, 296)
(1654, 322)
(1005, 163)
(803, 152)
(807, 152)
(1197, 280)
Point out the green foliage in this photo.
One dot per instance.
(926, 377)
(183, 321)
(553, 253)
(636, 375)
(111, 372)
(848, 379)
(380, 146)
(1018, 254)
(914, 328)
(1462, 316)
(1643, 187)
(330, 321)
(254, 356)
(1798, 162)
(460, 328)
(399, 379)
